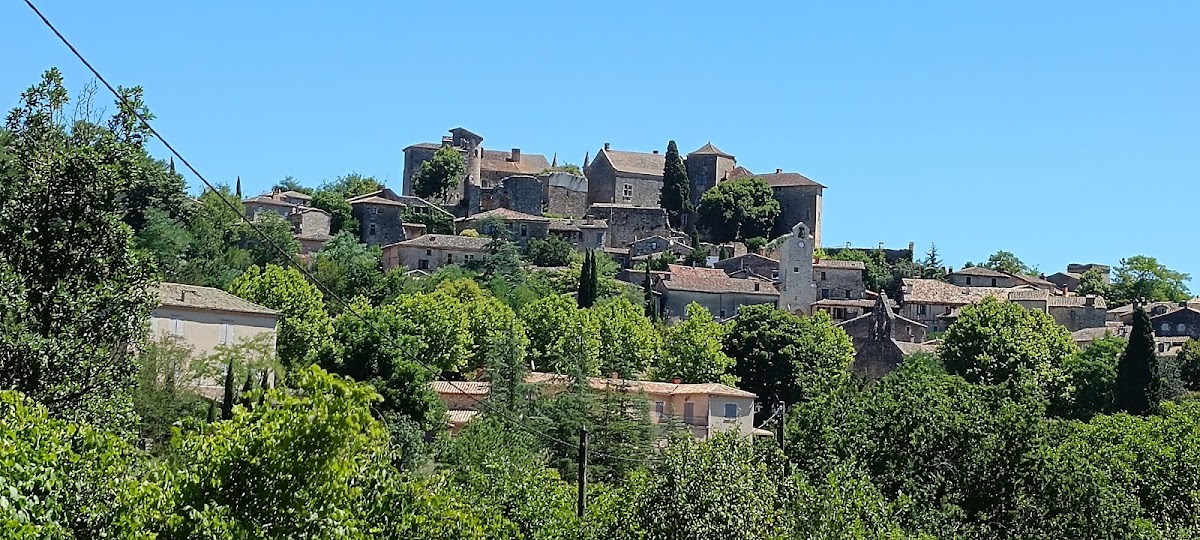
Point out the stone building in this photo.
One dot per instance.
(705, 167)
(797, 291)
(310, 226)
(932, 302)
(380, 216)
(521, 226)
(522, 193)
(280, 202)
(627, 224)
(977, 276)
(653, 245)
(1070, 279)
(800, 200)
(581, 233)
(564, 194)
(1182, 322)
(882, 340)
(621, 177)
(840, 280)
(433, 251)
(485, 169)
(1073, 312)
(722, 295)
(750, 263)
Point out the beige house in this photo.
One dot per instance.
(433, 251)
(703, 409)
(205, 318)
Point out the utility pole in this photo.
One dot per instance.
(782, 440)
(582, 505)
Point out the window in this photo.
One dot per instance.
(824, 293)
(1181, 328)
(689, 412)
(775, 273)
(226, 332)
(429, 252)
(660, 408)
(847, 294)
(259, 209)
(968, 280)
(468, 257)
(654, 244)
(1166, 327)
(599, 239)
(838, 313)
(722, 315)
(731, 410)
(423, 264)
(922, 309)
(795, 269)
(371, 230)
(822, 276)
(1162, 347)
(449, 258)
(993, 282)
(524, 230)
(627, 191)
(372, 210)
(177, 327)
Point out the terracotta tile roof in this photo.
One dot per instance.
(467, 388)
(375, 200)
(1029, 295)
(738, 172)
(459, 418)
(649, 387)
(267, 200)
(504, 213)
(1087, 335)
(1035, 281)
(295, 195)
(899, 319)
(577, 224)
(833, 263)
(636, 162)
(709, 150)
(196, 297)
(980, 271)
(908, 347)
(787, 179)
(843, 302)
(316, 236)
(445, 241)
(932, 291)
(714, 280)
(1055, 300)
(500, 161)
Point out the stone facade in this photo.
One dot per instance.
(627, 224)
(877, 349)
(754, 263)
(842, 280)
(521, 226)
(722, 295)
(620, 177)
(380, 215)
(705, 167)
(797, 292)
(800, 200)
(485, 169)
(518, 192)
(1182, 322)
(652, 245)
(581, 233)
(433, 251)
(564, 194)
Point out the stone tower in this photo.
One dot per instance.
(705, 167)
(797, 292)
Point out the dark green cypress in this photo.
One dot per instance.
(248, 387)
(587, 281)
(676, 197)
(648, 296)
(212, 412)
(227, 404)
(1135, 370)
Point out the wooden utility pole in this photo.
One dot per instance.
(581, 507)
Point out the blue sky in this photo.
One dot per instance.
(1063, 131)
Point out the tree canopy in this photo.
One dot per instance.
(738, 209)
(439, 174)
(1144, 278)
(676, 196)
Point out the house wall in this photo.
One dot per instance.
(1078, 317)
(704, 171)
(797, 293)
(203, 329)
(977, 281)
(310, 222)
(593, 237)
(627, 223)
(837, 281)
(929, 318)
(564, 194)
(387, 219)
(874, 359)
(717, 422)
(1184, 322)
(410, 257)
(721, 305)
(279, 207)
(861, 328)
(518, 192)
(761, 266)
(799, 204)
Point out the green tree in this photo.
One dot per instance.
(552, 323)
(649, 301)
(587, 290)
(782, 357)
(995, 342)
(168, 373)
(341, 217)
(348, 269)
(1189, 364)
(1093, 375)
(270, 233)
(435, 220)
(304, 326)
(553, 251)
(1093, 281)
(290, 183)
(214, 258)
(440, 174)
(1136, 369)
(629, 343)
(438, 325)
(351, 185)
(932, 266)
(1144, 278)
(76, 296)
(738, 209)
(165, 240)
(676, 188)
(692, 350)
(1005, 261)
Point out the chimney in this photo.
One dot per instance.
(516, 155)
(606, 147)
(1090, 301)
(656, 151)
(677, 380)
(183, 295)
(778, 171)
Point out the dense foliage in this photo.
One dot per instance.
(738, 209)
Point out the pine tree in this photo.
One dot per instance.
(932, 266)
(1136, 369)
(227, 405)
(676, 196)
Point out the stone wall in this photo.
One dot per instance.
(1179, 323)
(835, 282)
(1078, 317)
(629, 223)
(860, 328)
(519, 192)
(799, 204)
(310, 222)
(564, 194)
(797, 293)
(704, 171)
(379, 224)
(721, 305)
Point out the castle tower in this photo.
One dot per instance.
(797, 292)
(705, 167)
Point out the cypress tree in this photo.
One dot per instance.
(1135, 370)
(227, 405)
(212, 412)
(676, 197)
(247, 387)
(587, 281)
(648, 296)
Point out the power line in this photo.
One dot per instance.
(289, 258)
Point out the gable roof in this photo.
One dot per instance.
(295, 195)
(196, 297)
(635, 162)
(781, 179)
(709, 150)
(932, 291)
(500, 161)
(444, 241)
(504, 213)
(714, 280)
(980, 272)
(649, 387)
(740, 261)
(577, 224)
(373, 199)
(900, 318)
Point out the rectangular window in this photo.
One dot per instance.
(599, 239)
(968, 280)
(795, 269)
(428, 252)
(371, 230)
(822, 276)
(922, 309)
(524, 230)
(689, 412)
(993, 282)
(373, 210)
(226, 332)
(177, 327)
(627, 191)
(449, 258)
(775, 274)
(847, 294)
(259, 209)
(660, 408)
(731, 410)
(824, 293)
(423, 264)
